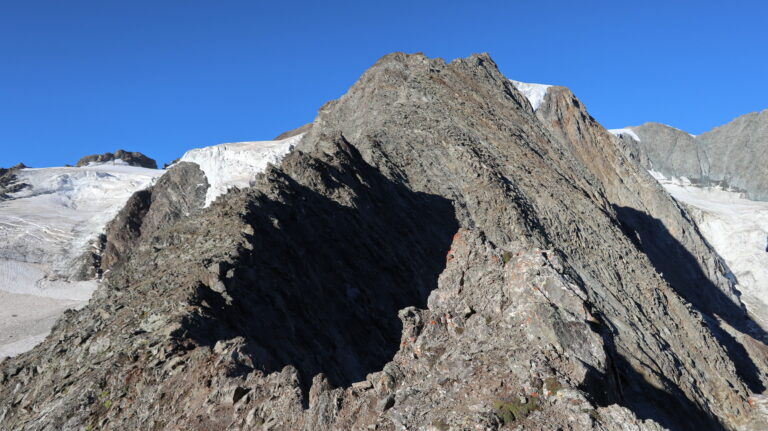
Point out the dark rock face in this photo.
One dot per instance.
(733, 155)
(8, 181)
(433, 255)
(130, 157)
(180, 192)
(334, 253)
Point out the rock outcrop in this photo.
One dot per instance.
(733, 155)
(8, 181)
(434, 254)
(131, 158)
(180, 192)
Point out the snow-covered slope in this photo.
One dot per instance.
(533, 92)
(738, 230)
(44, 229)
(625, 131)
(236, 164)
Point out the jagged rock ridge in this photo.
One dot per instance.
(132, 158)
(434, 254)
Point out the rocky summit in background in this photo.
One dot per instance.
(732, 156)
(130, 158)
(437, 252)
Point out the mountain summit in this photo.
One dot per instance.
(436, 252)
(732, 156)
(131, 158)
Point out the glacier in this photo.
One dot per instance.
(45, 228)
(236, 164)
(737, 228)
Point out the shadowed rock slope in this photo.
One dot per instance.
(433, 255)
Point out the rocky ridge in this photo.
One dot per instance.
(178, 193)
(434, 254)
(294, 132)
(732, 155)
(131, 158)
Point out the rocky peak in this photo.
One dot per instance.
(180, 192)
(8, 180)
(131, 158)
(736, 154)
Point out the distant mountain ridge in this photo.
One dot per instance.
(132, 158)
(734, 155)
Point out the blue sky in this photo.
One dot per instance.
(82, 77)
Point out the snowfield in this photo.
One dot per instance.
(236, 164)
(44, 230)
(737, 228)
(533, 92)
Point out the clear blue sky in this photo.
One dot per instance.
(162, 76)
